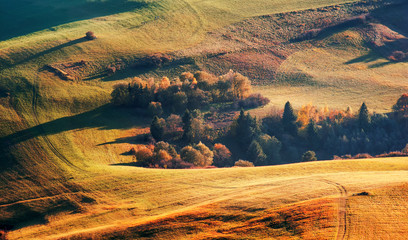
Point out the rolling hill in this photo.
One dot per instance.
(63, 171)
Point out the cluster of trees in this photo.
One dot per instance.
(288, 135)
(188, 91)
(333, 132)
(184, 139)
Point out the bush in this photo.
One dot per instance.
(243, 163)
(90, 35)
(309, 156)
(253, 101)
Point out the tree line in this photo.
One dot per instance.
(186, 139)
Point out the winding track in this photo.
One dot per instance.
(342, 212)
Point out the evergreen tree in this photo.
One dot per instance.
(363, 117)
(187, 125)
(312, 135)
(256, 154)
(246, 129)
(157, 128)
(289, 120)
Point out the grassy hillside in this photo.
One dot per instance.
(124, 199)
(62, 164)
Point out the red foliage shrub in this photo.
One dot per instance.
(90, 35)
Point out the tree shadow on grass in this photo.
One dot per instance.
(27, 16)
(104, 118)
(369, 59)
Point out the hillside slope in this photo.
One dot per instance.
(61, 140)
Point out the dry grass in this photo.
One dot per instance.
(89, 197)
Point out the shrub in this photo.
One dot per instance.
(243, 163)
(253, 101)
(90, 35)
(155, 109)
(309, 156)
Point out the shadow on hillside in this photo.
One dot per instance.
(370, 58)
(50, 50)
(23, 17)
(104, 118)
(139, 139)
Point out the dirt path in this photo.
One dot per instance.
(342, 213)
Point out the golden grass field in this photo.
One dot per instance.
(61, 175)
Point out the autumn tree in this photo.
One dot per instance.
(240, 85)
(222, 155)
(199, 155)
(157, 128)
(289, 120)
(401, 107)
(144, 156)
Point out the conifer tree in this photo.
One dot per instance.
(312, 135)
(289, 120)
(363, 117)
(157, 128)
(187, 125)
